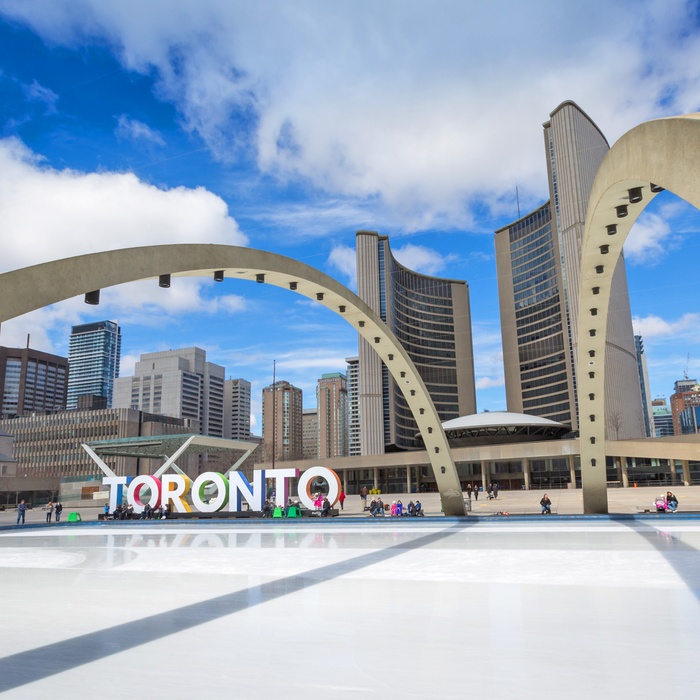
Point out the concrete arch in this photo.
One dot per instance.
(34, 287)
(660, 154)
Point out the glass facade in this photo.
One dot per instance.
(93, 357)
(539, 319)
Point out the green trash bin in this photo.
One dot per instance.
(74, 518)
(278, 512)
(293, 512)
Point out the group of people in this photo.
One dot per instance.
(667, 503)
(491, 492)
(125, 512)
(396, 509)
(322, 506)
(52, 508)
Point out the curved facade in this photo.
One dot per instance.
(538, 264)
(536, 362)
(431, 319)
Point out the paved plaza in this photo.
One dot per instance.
(553, 607)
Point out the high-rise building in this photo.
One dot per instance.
(31, 381)
(537, 263)
(431, 319)
(686, 393)
(309, 420)
(237, 409)
(93, 360)
(332, 402)
(282, 412)
(689, 420)
(178, 383)
(643, 373)
(663, 418)
(354, 435)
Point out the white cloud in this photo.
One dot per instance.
(405, 104)
(344, 259)
(134, 130)
(421, 259)
(650, 240)
(50, 214)
(38, 93)
(656, 327)
(490, 382)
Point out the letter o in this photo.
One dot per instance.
(133, 494)
(218, 501)
(305, 485)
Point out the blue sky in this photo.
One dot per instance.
(289, 126)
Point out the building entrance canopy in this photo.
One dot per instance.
(167, 447)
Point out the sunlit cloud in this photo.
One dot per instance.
(388, 104)
(344, 259)
(656, 327)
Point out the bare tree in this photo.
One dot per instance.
(615, 422)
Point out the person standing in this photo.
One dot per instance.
(49, 512)
(363, 494)
(476, 492)
(21, 512)
(495, 490)
(58, 509)
(341, 499)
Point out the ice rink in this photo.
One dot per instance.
(512, 608)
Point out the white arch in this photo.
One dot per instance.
(665, 153)
(34, 287)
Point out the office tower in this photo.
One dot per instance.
(431, 319)
(354, 435)
(31, 381)
(537, 263)
(309, 420)
(282, 422)
(663, 418)
(332, 402)
(237, 409)
(93, 361)
(178, 383)
(643, 373)
(686, 393)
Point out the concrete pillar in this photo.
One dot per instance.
(526, 473)
(572, 471)
(376, 477)
(408, 479)
(686, 472)
(624, 473)
(345, 481)
(485, 471)
(672, 469)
